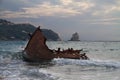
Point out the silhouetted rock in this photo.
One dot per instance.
(75, 37)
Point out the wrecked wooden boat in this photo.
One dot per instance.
(37, 50)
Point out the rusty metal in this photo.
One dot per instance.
(37, 50)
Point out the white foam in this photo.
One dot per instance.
(99, 63)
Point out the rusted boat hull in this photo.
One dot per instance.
(67, 55)
(37, 50)
(60, 55)
(29, 59)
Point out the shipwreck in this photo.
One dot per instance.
(37, 50)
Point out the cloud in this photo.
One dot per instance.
(108, 8)
(47, 9)
(64, 9)
(105, 21)
(13, 14)
(66, 2)
(77, 4)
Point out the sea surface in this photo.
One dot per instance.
(104, 63)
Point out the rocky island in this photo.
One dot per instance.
(75, 37)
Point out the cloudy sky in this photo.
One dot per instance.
(92, 19)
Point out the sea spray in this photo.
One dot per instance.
(97, 63)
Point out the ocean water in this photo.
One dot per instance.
(104, 63)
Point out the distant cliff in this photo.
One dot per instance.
(12, 31)
(75, 37)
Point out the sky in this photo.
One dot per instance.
(92, 19)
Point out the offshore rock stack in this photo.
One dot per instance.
(75, 37)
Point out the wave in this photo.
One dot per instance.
(9, 56)
(95, 63)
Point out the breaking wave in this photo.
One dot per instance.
(95, 63)
(9, 56)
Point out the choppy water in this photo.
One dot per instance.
(104, 63)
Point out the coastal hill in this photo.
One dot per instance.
(12, 31)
